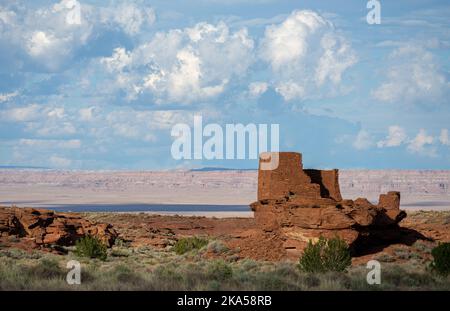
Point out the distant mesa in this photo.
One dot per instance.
(302, 204)
(219, 169)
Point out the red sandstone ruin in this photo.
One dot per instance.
(303, 204)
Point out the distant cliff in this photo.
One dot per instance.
(351, 181)
(418, 182)
(203, 187)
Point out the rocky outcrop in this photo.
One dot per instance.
(301, 205)
(46, 227)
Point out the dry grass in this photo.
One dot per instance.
(429, 217)
(146, 268)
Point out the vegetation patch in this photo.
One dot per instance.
(91, 247)
(188, 244)
(218, 247)
(325, 255)
(441, 259)
(220, 270)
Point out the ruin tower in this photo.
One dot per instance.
(303, 204)
(290, 179)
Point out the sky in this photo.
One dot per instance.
(99, 85)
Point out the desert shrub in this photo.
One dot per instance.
(325, 255)
(311, 260)
(402, 277)
(270, 281)
(441, 259)
(46, 269)
(311, 281)
(167, 277)
(119, 242)
(220, 270)
(446, 220)
(167, 271)
(217, 247)
(402, 253)
(188, 244)
(214, 285)
(248, 264)
(124, 274)
(336, 255)
(120, 253)
(90, 247)
(422, 246)
(16, 253)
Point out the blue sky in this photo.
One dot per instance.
(105, 93)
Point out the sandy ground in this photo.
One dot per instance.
(44, 195)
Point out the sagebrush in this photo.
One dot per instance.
(441, 259)
(91, 247)
(188, 244)
(325, 255)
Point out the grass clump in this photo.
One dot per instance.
(441, 259)
(188, 244)
(46, 269)
(218, 247)
(220, 270)
(91, 247)
(325, 255)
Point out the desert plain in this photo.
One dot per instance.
(420, 189)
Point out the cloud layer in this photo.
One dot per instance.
(100, 84)
(183, 65)
(414, 77)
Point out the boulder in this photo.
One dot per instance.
(46, 227)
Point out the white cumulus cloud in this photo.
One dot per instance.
(52, 35)
(42, 120)
(421, 144)
(128, 16)
(395, 137)
(363, 140)
(307, 55)
(414, 77)
(118, 60)
(183, 65)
